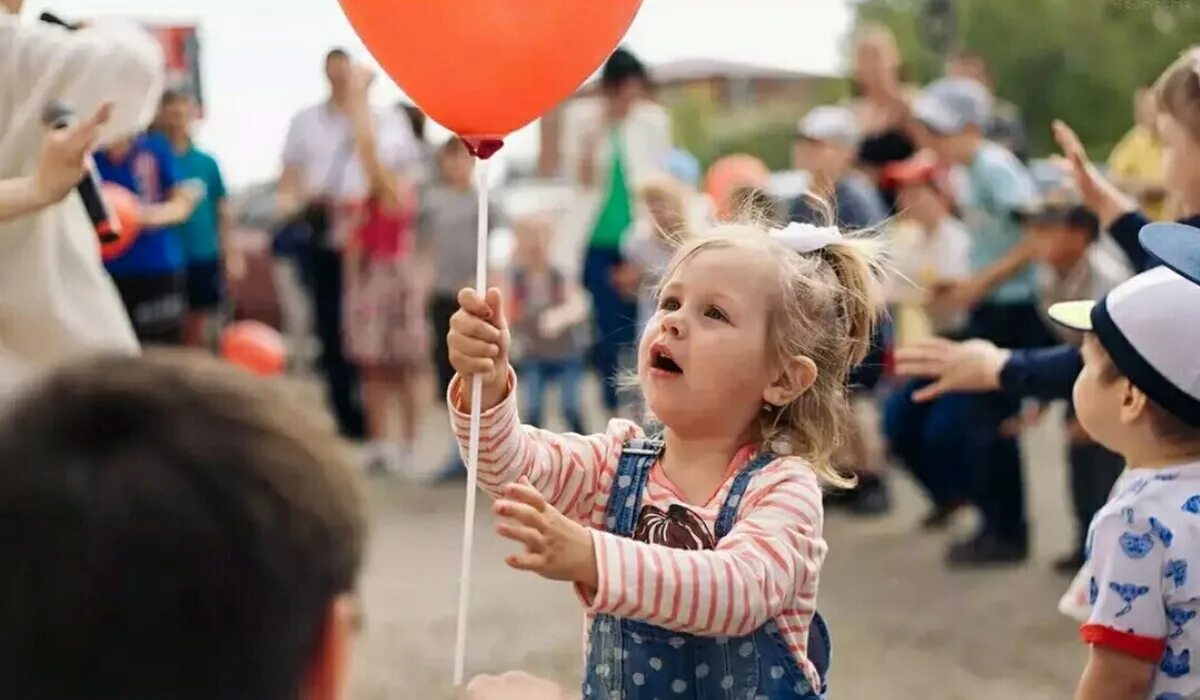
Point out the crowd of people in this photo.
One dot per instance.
(182, 530)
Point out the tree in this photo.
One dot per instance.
(1078, 60)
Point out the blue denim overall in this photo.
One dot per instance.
(633, 660)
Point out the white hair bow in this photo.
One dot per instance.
(806, 238)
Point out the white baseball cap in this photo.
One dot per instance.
(830, 123)
(948, 106)
(1150, 327)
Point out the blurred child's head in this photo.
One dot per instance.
(965, 64)
(1060, 233)
(954, 112)
(175, 529)
(1177, 93)
(456, 163)
(666, 204)
(534, 235)
(919, 189)
(753, 341)
(177, 111)
(1139, 393)
(624, 80)
(826, 142)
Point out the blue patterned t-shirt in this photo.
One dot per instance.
(1144, 590)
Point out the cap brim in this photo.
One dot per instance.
(1076, 315)
(1175, 245)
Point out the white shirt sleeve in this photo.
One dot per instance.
(114, 61)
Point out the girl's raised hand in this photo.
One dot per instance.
(556, 547)
(479, 341)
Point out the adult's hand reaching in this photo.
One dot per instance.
(969, 366)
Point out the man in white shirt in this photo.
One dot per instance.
(322, 174)
(56, 301)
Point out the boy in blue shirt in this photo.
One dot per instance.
(149, 275)
(1001, 296)
(209, 254)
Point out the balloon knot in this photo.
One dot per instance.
(482, 148)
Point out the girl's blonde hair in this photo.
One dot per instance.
(828, 304)
(1177, 91)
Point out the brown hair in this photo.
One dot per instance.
(827, 308)
(1177, 91)
(184, 528)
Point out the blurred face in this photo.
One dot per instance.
(920, 202)
(1181, 154)
(533, 241)
(177, 114)
(875, 64)
(1057, 246)
(703, 360)
(458, 167)
(1100, 400)
(337, 72)
(821, 158)
(624, 95)
(956, 149)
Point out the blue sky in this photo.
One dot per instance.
(262, 58)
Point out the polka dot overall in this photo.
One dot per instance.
(632, 660)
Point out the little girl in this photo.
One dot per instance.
(386, 328)
(697, 551)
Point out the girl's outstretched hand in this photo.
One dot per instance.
(556, 547)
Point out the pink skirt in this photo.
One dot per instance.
(385, 321)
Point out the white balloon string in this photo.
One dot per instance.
(464, 589)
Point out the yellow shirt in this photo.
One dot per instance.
(1139, 156)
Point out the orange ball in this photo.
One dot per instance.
(254, 346)
(127, 209)
(730, 174)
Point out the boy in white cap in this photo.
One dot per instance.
(1000, 294)
(825, 146)
(1139, 396)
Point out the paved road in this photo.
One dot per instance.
(903, 627)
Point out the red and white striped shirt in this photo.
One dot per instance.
(766, 568)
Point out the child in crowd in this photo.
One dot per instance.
(745, 367)
(826, 145)
(385, 302)
(928, 246)
(178, 529)
(446, 227)
(212, 257)
(1138, 396)
(1071, 265)
(655, 237)
(1136, 162)
(547, 310)
(150, 274)
(1000, 295)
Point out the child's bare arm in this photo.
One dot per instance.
(1113, 675)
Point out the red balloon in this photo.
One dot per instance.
(485, 68)
(729, 174)
(254, 346)
(126, 207)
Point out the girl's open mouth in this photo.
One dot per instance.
(660, 359)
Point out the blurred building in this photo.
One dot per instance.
(729, 85)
